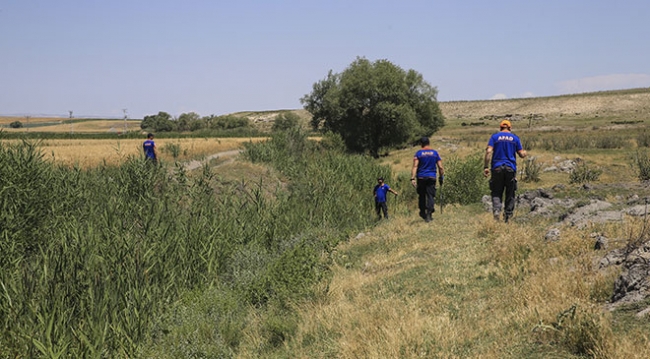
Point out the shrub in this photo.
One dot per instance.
(464, 181)
(228, 122)
(643, 139)
(642, 164)
(531, 170)
(579, 331)
(16, 124)
(286, 121)
(333, 142)
(582, 173)
(610, 142)
(172, 148)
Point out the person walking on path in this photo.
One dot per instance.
(501, 160)
(150, 151)
(427, 164)
(380, 191)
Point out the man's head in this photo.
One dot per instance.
(149, 135)
(380, 179)
(424, 141)
(505, 124)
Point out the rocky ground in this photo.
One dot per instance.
(633, 284)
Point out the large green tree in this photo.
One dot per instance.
(374, 105)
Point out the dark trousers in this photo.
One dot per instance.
(503, 180)
(426, 188)
(381, 207)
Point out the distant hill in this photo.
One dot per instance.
(632, 105)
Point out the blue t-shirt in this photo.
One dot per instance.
(148, 147)
(505, 145)
(381, 191)
(427, 163)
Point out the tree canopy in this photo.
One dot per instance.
(373, 105)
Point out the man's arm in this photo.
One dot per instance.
(486, 160)
(414, 170)
(522, 153)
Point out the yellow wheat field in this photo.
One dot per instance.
(88, 153)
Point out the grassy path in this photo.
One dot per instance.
(462, 286)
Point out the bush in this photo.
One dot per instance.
(642, 164)
(584, 174)
(643, 139)
(464, 180)
(333, 142)
(608, 142)
(286, 121)
(531, 170)
(16, 124)
(229, 122)
(172, 148)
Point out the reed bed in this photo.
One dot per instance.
(97, 262)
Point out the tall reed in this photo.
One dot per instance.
(91, 260)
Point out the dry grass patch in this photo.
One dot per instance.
(87, 153)
(465, 286)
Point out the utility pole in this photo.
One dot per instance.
(71, 129)
(126, 116)
(27, 128)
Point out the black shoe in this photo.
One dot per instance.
(507, 218)
(423, 215)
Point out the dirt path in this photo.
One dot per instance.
(229, 156)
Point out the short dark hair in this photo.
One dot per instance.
(424, 141)
(380, 178)
(149, 135)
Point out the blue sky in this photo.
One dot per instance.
(99, 57)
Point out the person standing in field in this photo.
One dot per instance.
(149, 147)
(501, 160)
(380, 191)
(427, 164)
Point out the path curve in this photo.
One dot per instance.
(194, 164)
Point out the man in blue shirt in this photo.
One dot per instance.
(426, 163)
(149, 148)
(502, 149)
(380, 191)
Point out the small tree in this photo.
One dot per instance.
(185, 121)
(16, 124)
(286, 121)
(374, 105)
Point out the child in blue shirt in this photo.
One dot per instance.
(380, 191)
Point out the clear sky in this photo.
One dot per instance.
(99, 57)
